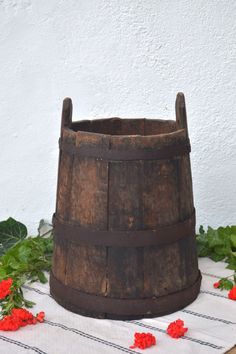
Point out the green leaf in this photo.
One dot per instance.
(231, 260)
(3, 273)
(201, 230)
(216, 257)
(233, 229)
(203, 250)
(233, 240)
(12, 262)
(11, 232)
(213, 238)
(222, 250)
(42, 277)
(202, 245)
(231, 265)
(226, 284)
(24, 253)
(28, 303)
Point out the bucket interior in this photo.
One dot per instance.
(125, 126)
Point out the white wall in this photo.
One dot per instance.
(125, 58)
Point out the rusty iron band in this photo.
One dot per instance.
(71, 232)
(76, 300)
(167, 152)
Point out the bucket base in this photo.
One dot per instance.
(98, 306)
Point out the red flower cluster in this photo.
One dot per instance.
(216, 285)
(143, 340)
(176, 329)
(19, 318)
(232, 293)
(5, 288)
(40, 316)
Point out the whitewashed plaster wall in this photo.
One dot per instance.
(124, 58)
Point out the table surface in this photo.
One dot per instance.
(211, 322)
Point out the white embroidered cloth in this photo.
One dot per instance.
(211, 320)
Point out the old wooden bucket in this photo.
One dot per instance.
(124, 226)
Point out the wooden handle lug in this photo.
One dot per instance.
(66, 116)
(180, 111)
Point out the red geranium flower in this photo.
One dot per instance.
(40, 316)
(216, 285)
(232, 293)
(5, 286)
(24, 316)
(176, 329)
(143, 340)
(10, 323)
(19, 318)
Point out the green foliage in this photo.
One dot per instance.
(11, 231)
(225, 284)
(219, 245)
(29, 257)
(23, 259)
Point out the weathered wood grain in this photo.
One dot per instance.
(125, 274)
(86, 269)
